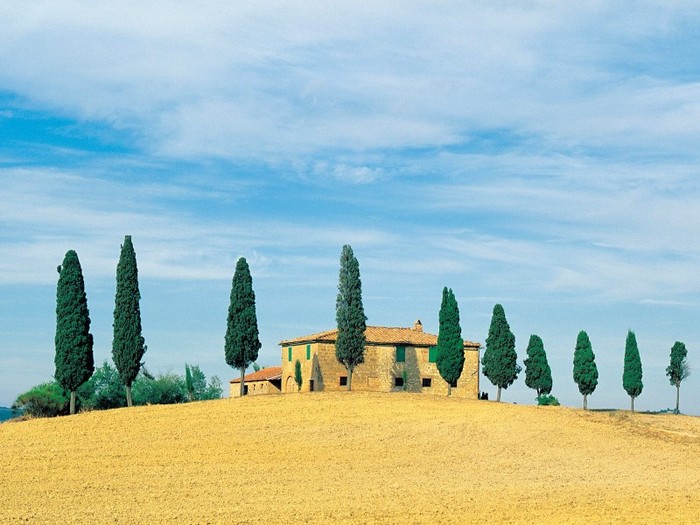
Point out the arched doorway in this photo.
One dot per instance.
(289, 385)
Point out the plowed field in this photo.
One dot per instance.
(351, 458)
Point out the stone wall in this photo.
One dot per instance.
(254, 388)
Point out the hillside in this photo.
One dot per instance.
(351, 458)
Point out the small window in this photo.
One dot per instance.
(308, 352)
(432, 354)
(343, 381)
(427, 382)
(398, 381)
(289, 353)
(400, 354)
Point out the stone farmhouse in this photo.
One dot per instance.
(396, 359)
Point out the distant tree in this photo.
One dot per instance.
(632, 374)
(499, 362)
(678, 369)
(350, 314)
(74, 359)
(450, 345)
(188, 383)
(242, 339)
(44, 400)
(585, 369)
(297, 374)
(256, 367)
(128, 345)
(538, 375)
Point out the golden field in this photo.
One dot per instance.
(351, 458)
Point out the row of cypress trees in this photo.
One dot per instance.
(500, 363)
(74, 360)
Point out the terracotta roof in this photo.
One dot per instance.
(378, 335)
(264, 374)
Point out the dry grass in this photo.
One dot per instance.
(351, 458)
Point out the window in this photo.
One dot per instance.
(289, 353)
(400, 354)
(432, 354)
(343, 381)
(427, 382)
(308, 352)
(398, 381)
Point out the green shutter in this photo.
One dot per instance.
(432, 354)
(308, 352)
(400, 354)
(289, 353)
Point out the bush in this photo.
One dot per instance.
(103, 390)
(547, 400)
(44, 400)
(164, 389)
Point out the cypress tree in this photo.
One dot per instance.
(74, 360)
(128, 344)
(500, 360)
(632, 374)
(242, 343)
(585, 369)
(450, 346)
(350, 314)
(297, 375)
(678, 369)
(538, 375)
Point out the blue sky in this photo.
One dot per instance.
(535, 154)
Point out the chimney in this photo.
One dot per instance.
(418, 326)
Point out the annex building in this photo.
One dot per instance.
(396, 359)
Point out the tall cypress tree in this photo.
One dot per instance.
(74, 360)
(450, 345)
(632, 374)
(499, 362)
(350, 314)
(678, 369)
(242, 339)
(538, 375)
(128, 344)
(585, 369)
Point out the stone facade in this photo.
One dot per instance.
(396, 359)
(265, 381)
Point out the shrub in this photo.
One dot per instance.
(164, 389)
(547, 400)
(44, 400)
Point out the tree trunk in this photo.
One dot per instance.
(72, 402)
(449, 388)
(242, 369)
(585, 401)
(349, 379)
(129, 401)
(632, 398)
(678, 397)
(498, 395)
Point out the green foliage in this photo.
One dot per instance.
(632, 374)
(350, 314)
(242, 339)
(44, 400)
(547, 400)
(128, 344)
(450, 345)
(165, 389)
(678, 369)
(404, 376)
(74, 359)
(500, 360)
(585, 369)
(538, 375)
(256, 367)
(297, 374)
(103, 390)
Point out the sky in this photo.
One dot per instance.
(541, 155)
